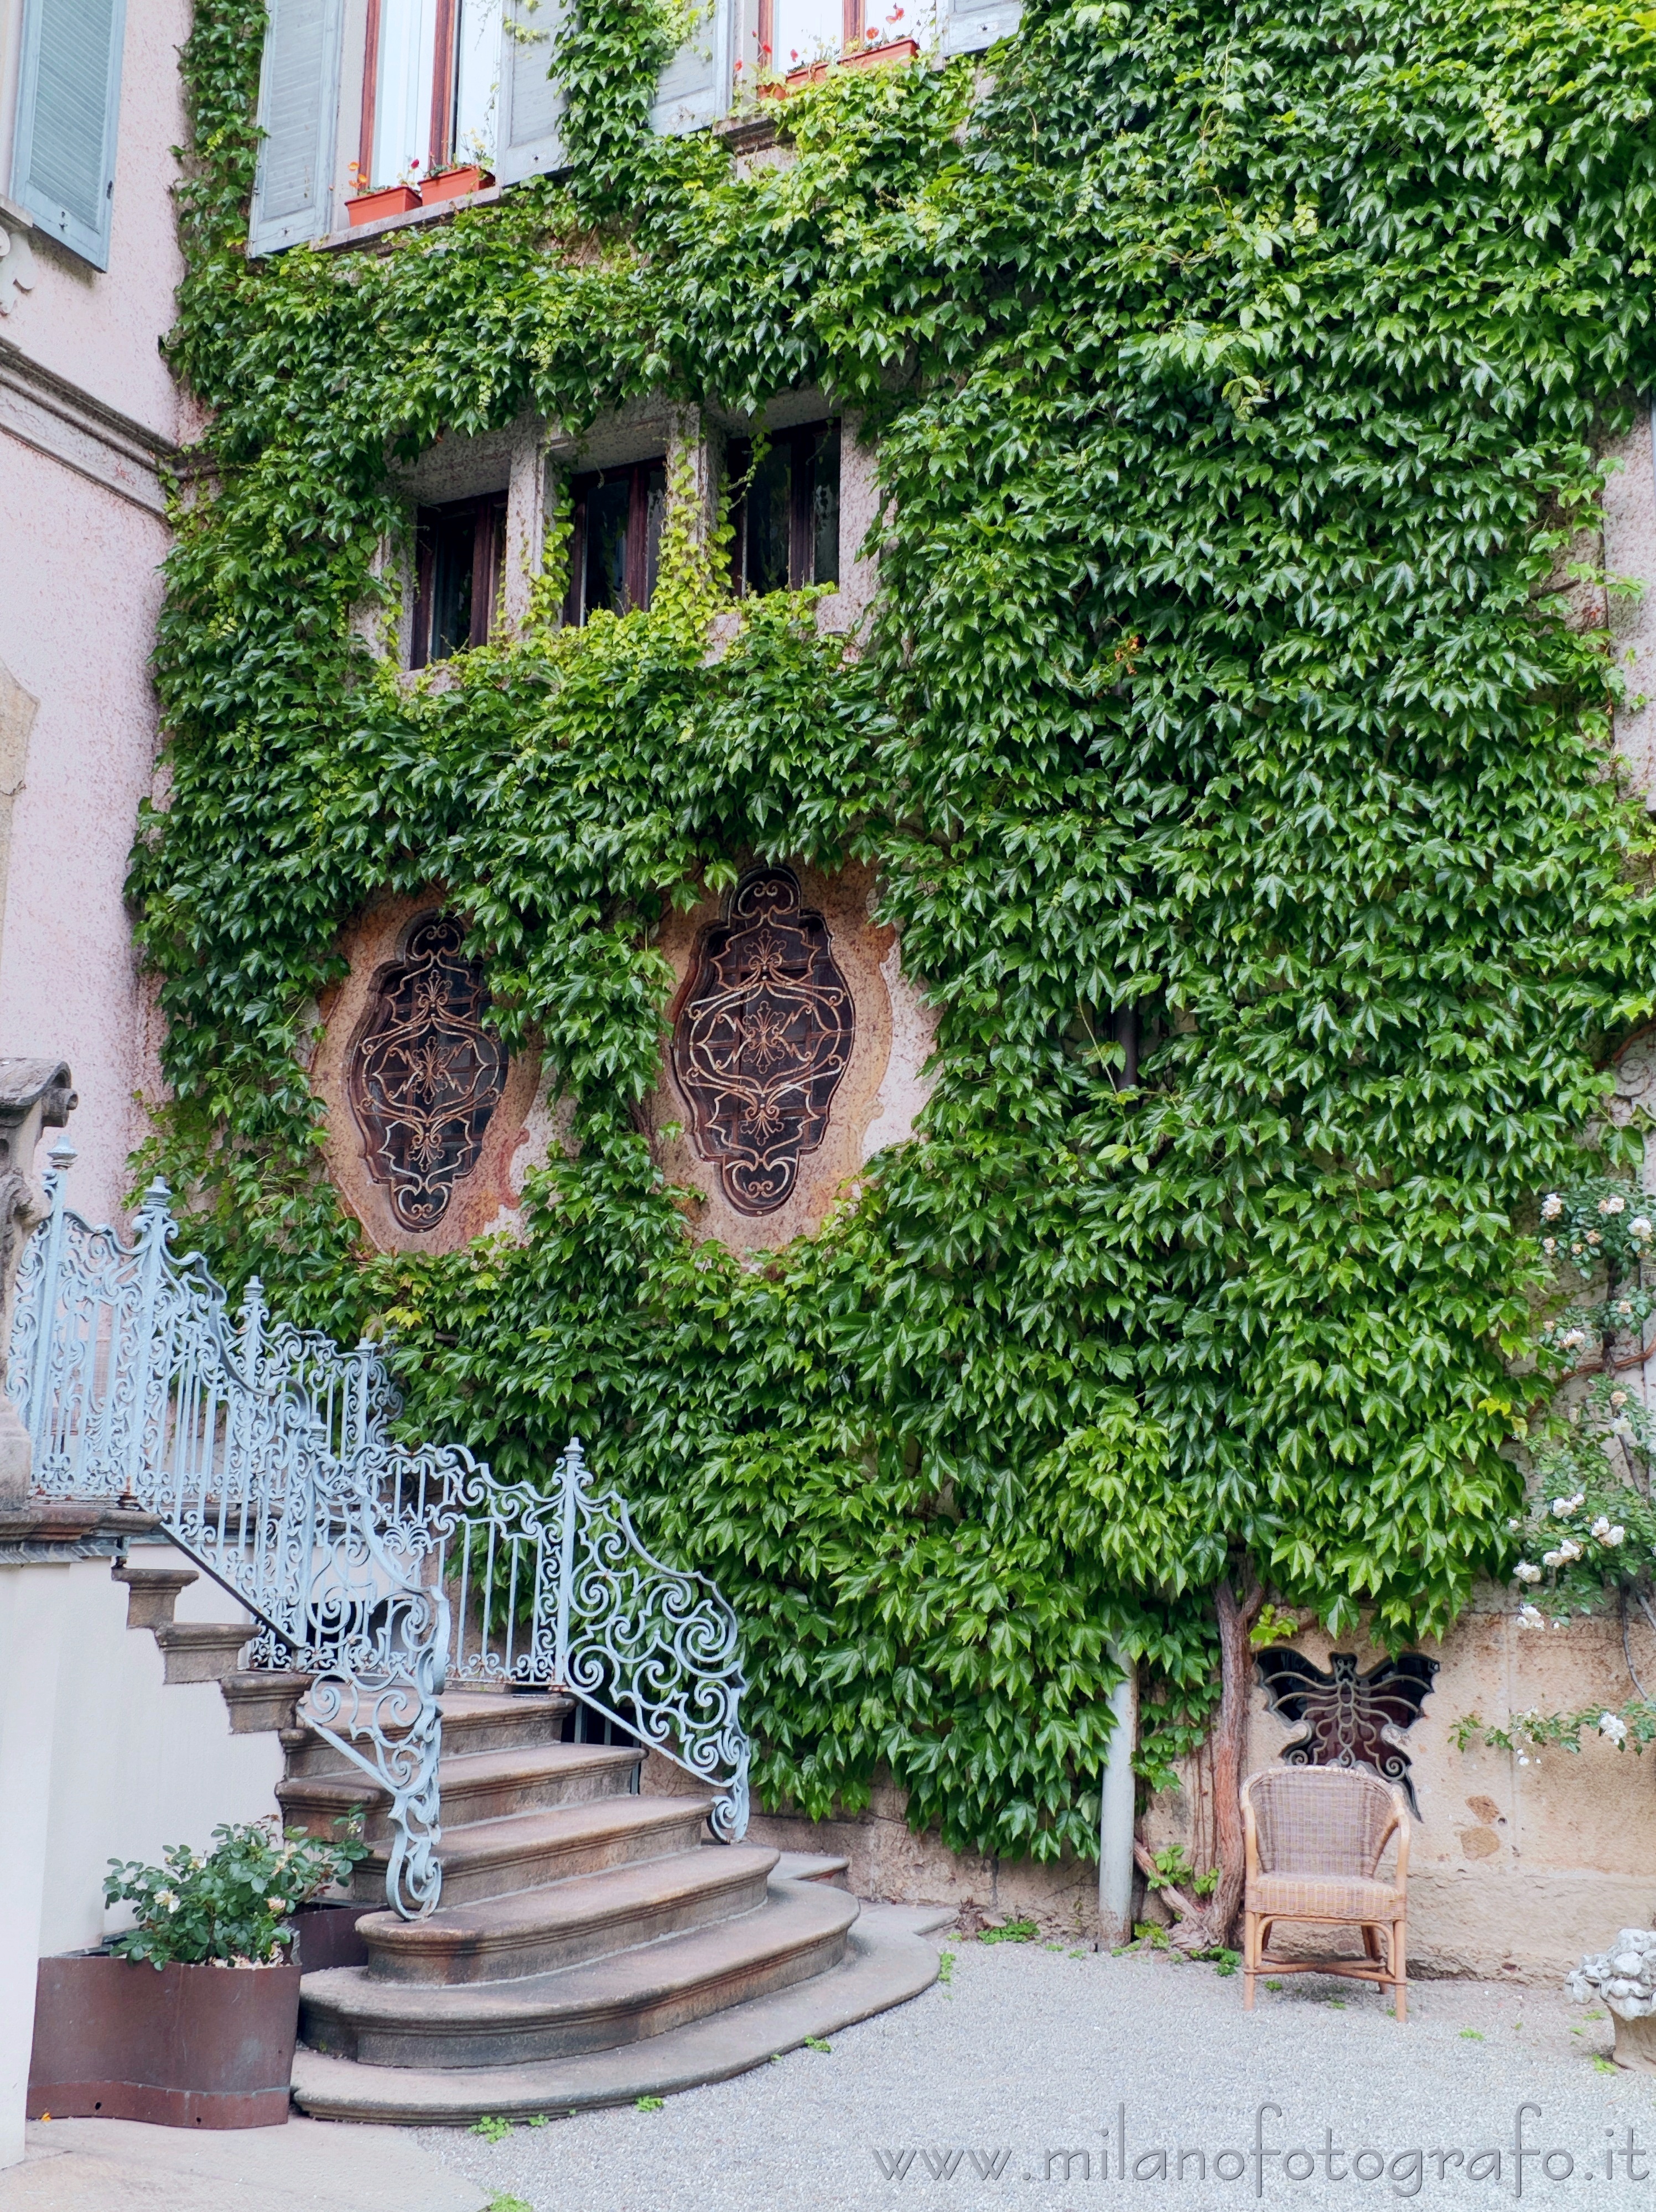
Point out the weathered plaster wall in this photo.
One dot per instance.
(1629, 553)
(138, 1762)
(1519, 1861)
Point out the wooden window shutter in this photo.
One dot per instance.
(531, 134)
(299, 115)
(69, 99)
(968, 26)
(697, 84)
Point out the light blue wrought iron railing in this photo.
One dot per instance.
(267, 1454)
(546, 1588)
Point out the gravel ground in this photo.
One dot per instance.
(1031, 2051)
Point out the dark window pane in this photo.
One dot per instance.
(825, 508)
(606, 543)
(769, 496)
(453, 546)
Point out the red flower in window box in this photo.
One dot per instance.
(388, 199)
(893, 50)
(454, 184)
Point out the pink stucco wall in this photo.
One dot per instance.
(76, 619)
(80, 557)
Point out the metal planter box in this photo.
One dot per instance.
(185, 2047)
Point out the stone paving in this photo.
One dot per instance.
(1020, 2080)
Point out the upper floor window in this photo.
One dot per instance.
(460, 551)
(62, 169)
(430, 88)
(785, 514)
(794, 33)
(445, 81)
(615, 544)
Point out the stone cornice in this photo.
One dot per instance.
(58, 418)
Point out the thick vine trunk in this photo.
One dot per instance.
(1210, 1924)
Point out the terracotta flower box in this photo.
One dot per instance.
(454, 184)
(375, 206)
(895, 50)
(183, 2047)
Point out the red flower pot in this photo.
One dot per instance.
(454, 184)
(390, 199)
(896, 50)
(185, 2047)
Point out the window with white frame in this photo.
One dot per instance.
(430, 89)
(436, 84)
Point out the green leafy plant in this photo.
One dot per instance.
(649, 2104)
(493, 2127)
(817, 2043)
(229, 1906)
(1010, 1931)
(1239, 390)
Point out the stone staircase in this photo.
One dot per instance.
(590, 1947)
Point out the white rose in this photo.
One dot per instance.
(1563, 1507)
(1612, 1205)
(1569, 1549)
(277, 1904)
(1549, 1245)
(1531, 1616)
(1618, 1399)
(1552, 1559)
(1613, 1725)
(1616, 1535)
(1551, 1207)
(1527, 1572)
(1639, 1226)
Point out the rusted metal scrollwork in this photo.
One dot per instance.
(762, 1040)
(425, 1073)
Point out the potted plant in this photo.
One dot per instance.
(189, 2018)
(373, 203)
(453, 183)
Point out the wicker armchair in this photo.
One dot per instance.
(1313, 1836)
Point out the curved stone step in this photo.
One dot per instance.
(481, 1785)
(536, 1931)
(493, 1856)
(887, 1962)
(799, 1932)
(472, 1720)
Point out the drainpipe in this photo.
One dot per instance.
(1115, 1816)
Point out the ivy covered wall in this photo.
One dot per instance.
(1238, 372)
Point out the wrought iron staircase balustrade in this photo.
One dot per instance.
(267, 1454)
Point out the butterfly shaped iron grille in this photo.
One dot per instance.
(1350, 1718)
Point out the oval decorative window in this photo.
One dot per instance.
(425, 1073)
(763, 1038)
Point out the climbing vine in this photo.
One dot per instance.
(1238, 375)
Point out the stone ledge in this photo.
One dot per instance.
(52, 1531)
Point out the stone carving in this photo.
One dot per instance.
(425, 1075)
(17, 262)
(1351, 1719)
(34, 1095)
(763, 1039)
